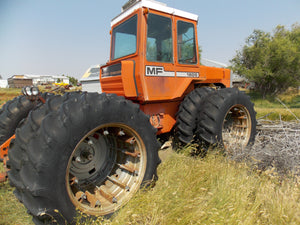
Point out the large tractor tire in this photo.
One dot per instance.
(30, 127)
(92, 154)
(13, 112)
(227, 120)
(188, 113)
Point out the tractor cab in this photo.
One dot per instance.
(154, 54)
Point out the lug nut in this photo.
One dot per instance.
(98, 203)
(90, 157)
(114, 200)
(78, 159)
(121, 133)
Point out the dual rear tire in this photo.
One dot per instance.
(222, 118)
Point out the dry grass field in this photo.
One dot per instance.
(8, 94)
(256, 185)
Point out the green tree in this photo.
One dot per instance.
(271, 60)
(73, 81)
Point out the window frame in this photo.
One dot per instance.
(196, 56)
(113, 43)
(171, 36)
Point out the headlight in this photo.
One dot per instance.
(30, 91)
(34, 91)
(23, 91)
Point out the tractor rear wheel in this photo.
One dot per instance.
(92, 154)
(227, 120)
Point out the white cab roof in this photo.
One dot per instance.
(151, 4)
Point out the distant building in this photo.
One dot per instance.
(3, 84)
(19, 81)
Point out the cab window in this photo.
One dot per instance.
(124, 38)
(159, 39)
(186, 44)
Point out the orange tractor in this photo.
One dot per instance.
(91, 152)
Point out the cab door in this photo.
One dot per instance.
(159, 63)
(187, 63)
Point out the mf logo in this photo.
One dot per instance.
(158, 71)
(154, 70)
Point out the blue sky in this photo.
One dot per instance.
(67, 36)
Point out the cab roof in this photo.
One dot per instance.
(133, 5)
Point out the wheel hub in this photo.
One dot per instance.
(91, 161)
(236, 127)
(105, 169)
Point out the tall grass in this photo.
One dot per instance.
(213, 190)
(8, 94)
(11, 210)
(210, 190)
(273, 108)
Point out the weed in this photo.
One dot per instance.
(276, 106)
(8, 94)
(11, 210)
